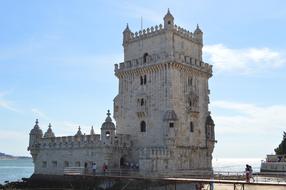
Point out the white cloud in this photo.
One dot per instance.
(243, 61)
(6, 104)
(242, 118)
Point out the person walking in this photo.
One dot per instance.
(247, 173)
(94, 168)
(251, 174)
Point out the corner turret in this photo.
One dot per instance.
(198, 35)
(107, 130)
(168, 20)
(210, 132)
(126, 35)
(35, 135)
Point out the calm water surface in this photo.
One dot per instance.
(13, 170)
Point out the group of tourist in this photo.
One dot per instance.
(94, 168)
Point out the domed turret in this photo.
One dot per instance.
(107, 130)
(35, 135)
(198, 34)
(168, 20)
(79, 133)
(49, 132)
(108, 124)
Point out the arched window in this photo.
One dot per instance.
(141, 80)
(145, 79)
(143, 126)
(142, 102)
(107, 134)
(191, 127)
(145, 57)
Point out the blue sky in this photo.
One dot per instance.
(57, 60)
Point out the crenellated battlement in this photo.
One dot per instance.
(159, 29)
(154, 59)
(82, 141)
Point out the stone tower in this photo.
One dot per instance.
(163, 99)
(35, 136)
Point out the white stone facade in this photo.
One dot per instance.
(161, 111)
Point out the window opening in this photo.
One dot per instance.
(145, 57)
(143, 126)
(191, 127)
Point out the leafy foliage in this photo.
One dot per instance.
(281, 149)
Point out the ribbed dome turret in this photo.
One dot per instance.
(108, 124)
(79, 133)
(49, 132)
(36, 130)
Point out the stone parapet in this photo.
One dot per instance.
(159, 29)
(82, 141)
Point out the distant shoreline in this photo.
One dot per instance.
(14, 157)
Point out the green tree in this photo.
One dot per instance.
(281, 149)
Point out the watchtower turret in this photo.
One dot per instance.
(126, 35)
(35, 135)
(49, 132)
(168, 20)
(107, 130)
(198, 35)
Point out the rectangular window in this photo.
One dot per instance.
(141, 80)
(54, 164)
(66, 164)
(191, 127)
(44, 164)
(77, 164)
(171, 125)
(145, 79)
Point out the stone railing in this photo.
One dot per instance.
(82, 141)
(162, 58)
(158, 29)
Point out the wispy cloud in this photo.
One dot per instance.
(241, 118)
(243, 61)
(6, 104)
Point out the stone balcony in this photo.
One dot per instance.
(154, 59)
